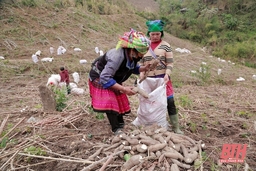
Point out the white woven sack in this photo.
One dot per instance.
(53, 80)
(72, 85)
(76, 77)
(78, 91)
(152, 110)
(34, 58)
(62, 84)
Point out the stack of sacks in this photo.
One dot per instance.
(53, 80)
(73, 86)
(76, 90)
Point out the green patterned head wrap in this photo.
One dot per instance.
(134, 39)
(155, 26)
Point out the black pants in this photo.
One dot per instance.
(116, 120)
(68, 89)
(171, 108)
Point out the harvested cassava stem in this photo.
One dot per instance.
(12, 129)
(3, 124)
(95, 154)
(112, 146)
(107, 162)
(97, 163)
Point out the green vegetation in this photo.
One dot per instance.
(60, 98)
(203, 73)
(185, 101)
(34, 150)
(226, 27)
(5, 139)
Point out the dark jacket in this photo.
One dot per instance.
(122, 72)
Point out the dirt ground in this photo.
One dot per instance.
(217, 111)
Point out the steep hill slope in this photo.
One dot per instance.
(213, 108)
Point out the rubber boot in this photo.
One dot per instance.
(171, 108)
(175, 124)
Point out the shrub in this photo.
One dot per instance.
(60, 98)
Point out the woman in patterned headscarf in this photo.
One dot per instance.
(110, 70)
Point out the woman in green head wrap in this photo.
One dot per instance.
(162, 50)
(109, 71)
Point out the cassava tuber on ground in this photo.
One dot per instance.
(152, 144)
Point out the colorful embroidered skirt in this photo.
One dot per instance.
(107, 100)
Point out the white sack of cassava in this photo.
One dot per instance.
(53, 80)
(152, 110)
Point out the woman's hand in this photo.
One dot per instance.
(166, 78)
(129, 91)
(145, 68)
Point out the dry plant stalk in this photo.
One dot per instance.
(3, 123)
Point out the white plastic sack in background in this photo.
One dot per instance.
(78, 91)
(62, 84)
(72, 85)
(152, 110)
(76, 77)
(34, 58)
(61, 50)
(83, 61)
(47, 59)
(38, 53)
(51, 50)
(101, 53)
(77, 50)
(97, 50)
(53, 80)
